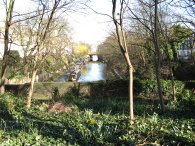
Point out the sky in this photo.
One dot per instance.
(90, 28)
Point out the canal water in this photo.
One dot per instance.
(92, 72)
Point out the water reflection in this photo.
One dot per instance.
(92, 72)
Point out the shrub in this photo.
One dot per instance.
(150, 86)
(10, 105)
(55, 94)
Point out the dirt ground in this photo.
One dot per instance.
(60, 107)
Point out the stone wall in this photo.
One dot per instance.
(46, 90)
(117, 88)
(41, 90)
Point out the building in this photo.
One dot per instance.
(187, 49)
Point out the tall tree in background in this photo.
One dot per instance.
(82, 49)
(149, 19)
(109, 52)
(8, 22)
(156, 35)
(118, 22)
(186, 13)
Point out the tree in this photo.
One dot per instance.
(109, 52)
(149, 19)
(14, 60)
(157, 53)
(123, 47)
(8, 23)
(177, 35)
(186, 13)
(59, 52)
(82, 49)
(172, 40)
(43, 24)
(140, 58)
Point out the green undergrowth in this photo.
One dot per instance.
(102, 121)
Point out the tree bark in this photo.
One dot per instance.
(31, 89)
(123, 47)
(3, 71)
(158, 57)
(131, 92)
(173, 84)
(6, 48)
(38, 48)
(170, 65)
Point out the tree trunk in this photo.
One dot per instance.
(6, 49)
(30, 93)
(172, 77)
(131, 113)
(4, 64)
(173, 84)
(158, 77)
(32, 81)
(37, 54)
(3, 71)
(130, 70)
(158, 56)
(124, 50)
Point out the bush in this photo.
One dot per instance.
(150, 86)
(187, 101)
(10, 105)
(6, 104)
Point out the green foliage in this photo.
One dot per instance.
(90, 124)
(119, 88)
(15, 75)
(10, 106)
(178, 34)
(55, 94)
(14, 58)
(35, 139)
(82, 49)
(150, 86)
(187, 100)
(7, 105)
(170, 51)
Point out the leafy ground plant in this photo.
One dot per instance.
(87, 125)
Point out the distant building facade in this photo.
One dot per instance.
(187, 49)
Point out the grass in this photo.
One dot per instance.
(96, 121)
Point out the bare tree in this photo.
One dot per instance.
(158, 53)
(8, 22)
(149, 19)
(186, 13)
(43, 24)
(123, 46)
